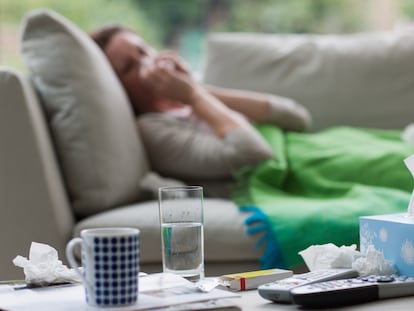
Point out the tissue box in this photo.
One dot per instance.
(393, 235)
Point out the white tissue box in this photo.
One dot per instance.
(393, 235)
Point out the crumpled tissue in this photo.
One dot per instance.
(330, 256)
(44, 268)
(373, 263)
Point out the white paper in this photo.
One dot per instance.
(155, 291)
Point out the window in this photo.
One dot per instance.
(182, 25)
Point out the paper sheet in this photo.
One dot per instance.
(155, 291)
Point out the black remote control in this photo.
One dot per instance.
(279, 291)
(353, 291)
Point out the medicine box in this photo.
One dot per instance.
(393, 235)
(252, 279)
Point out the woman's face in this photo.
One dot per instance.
(127, 52)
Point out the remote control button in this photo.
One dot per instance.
(385, 279)
(356, 281)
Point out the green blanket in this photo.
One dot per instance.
(318, 185)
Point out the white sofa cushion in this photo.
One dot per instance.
(355, 79)
(101, 155)
(225, 237)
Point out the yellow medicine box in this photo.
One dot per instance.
(252, 279)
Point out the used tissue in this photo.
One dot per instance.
(373, 263)
(330, 256)
(44, 267)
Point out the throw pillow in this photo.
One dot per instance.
(101, 156)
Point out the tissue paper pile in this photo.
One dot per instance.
(329, 256)
(44, 268)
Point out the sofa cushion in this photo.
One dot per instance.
(354, 79)
(92, 124)
(225, 237)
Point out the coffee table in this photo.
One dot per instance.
(251, 300)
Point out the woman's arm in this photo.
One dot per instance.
(256, 107)
(179, 86)
(196, 153)
(219, 116)
(265, 108)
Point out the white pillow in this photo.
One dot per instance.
(101, 155)
(357, 79)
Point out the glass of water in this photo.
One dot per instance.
(181, 218)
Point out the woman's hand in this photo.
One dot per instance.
(168, 78)
(177, 62)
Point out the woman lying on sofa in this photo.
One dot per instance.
(159, 82)
(302, 188)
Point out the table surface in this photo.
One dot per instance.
(251, 300)
(248, 300)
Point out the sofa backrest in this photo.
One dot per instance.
(96, 140)
(356, 79)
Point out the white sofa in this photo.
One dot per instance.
(52, 188)
(359, 80)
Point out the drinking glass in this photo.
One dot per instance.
(181, 218)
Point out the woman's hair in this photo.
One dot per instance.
(103, 35)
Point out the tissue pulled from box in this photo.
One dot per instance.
(409, 162)
(44, 267)
(330, 256)
(407, 134)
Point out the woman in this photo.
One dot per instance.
(193, 131)
(310, 190)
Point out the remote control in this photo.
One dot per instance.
(279, 291)
(353, 291)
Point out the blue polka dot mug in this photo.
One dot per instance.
(110, 261)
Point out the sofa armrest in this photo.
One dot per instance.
(33, 202)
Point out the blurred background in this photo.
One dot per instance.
(181, 25)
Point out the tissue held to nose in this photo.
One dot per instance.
(44, 267)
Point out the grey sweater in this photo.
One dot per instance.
(185, 148)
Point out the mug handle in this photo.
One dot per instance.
(70, 255)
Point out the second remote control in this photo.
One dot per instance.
(279, 291)
(353, 291)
